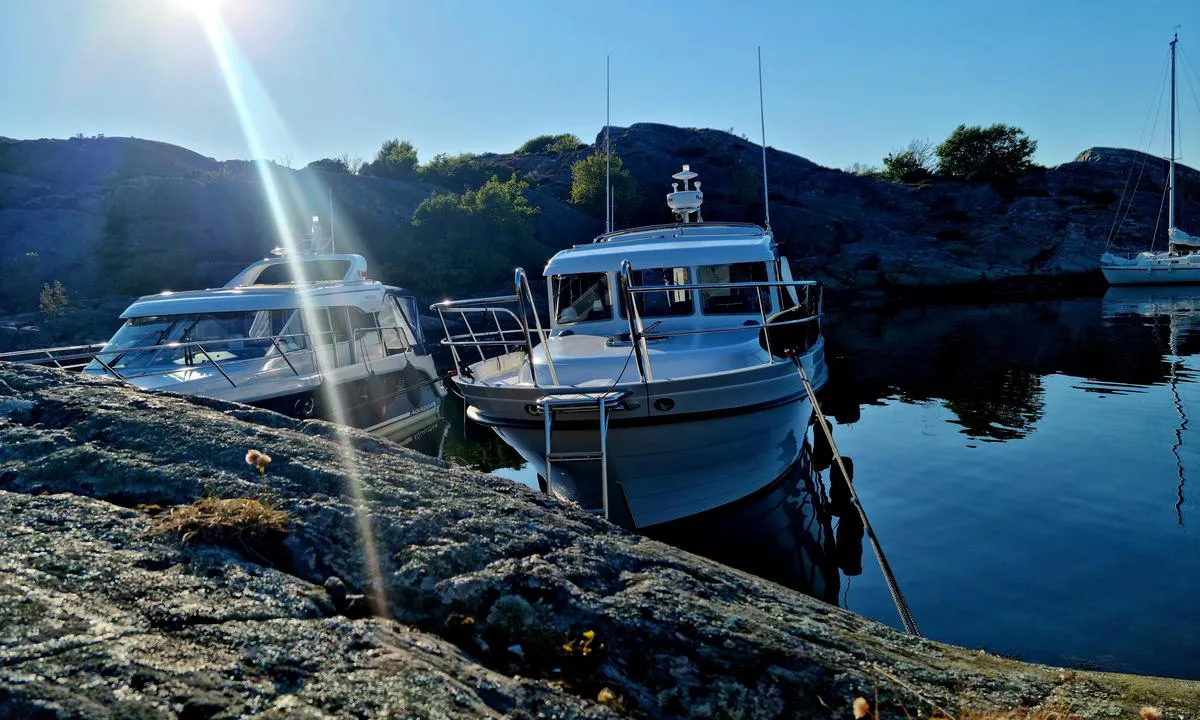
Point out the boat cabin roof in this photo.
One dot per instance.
(366, 295)
(678, 245)
(331, 280)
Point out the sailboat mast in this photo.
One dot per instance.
(1171, 181)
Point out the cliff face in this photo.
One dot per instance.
(495, 600)
(853, 231)
(87, 205)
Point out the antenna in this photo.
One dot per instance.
(332, 246)
(608, 205)
(762, 119)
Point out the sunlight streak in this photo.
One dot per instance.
(219, 39)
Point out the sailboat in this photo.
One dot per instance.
(1180, 263)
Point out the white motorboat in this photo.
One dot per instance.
(296, 333)
(668, 381)
(1180, 263)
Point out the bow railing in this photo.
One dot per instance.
(166, 358)
(809, 298)
(519, 335)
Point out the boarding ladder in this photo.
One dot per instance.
(602, 403)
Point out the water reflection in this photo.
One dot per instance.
(785, 533)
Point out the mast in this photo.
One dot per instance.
(1171, 181)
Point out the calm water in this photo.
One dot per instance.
(1025, 466)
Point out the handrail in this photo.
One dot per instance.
(638, 334)
(522, 281)
(524, 300)
(95, 351)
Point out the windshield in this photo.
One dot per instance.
(583, 297)
(195, 339)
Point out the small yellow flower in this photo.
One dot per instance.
(258, 459)
(1150, 713)
(861, 708)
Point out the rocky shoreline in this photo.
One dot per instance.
(497, 601)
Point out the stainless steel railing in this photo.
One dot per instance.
(198, 352)
(813, 299)
(496, 335)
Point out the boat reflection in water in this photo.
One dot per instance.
(1179, 306)
(800, 532)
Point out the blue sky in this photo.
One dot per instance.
(844, 81)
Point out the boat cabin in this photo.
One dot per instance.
(321, 303)
(583, 281)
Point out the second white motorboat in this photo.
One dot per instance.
(669, 380)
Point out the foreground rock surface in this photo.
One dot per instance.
(496, 601)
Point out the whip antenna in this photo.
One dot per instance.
(332, 246)
(763, 123)
(608, 205)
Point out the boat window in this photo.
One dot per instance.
(581, 298)
(733, 301)
(193, 339)
(666, 303)
(408, 307)
(365, 332)
(321, 331)
(341, 324)
(284, 273)
(393, 326)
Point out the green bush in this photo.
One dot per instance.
(53, 298)
(863, 170)
(910, 164)
(587, 186)
(457, 244)
(330, 165)
(555, 144)
(461, 172)
(396, 160)
(977, 153)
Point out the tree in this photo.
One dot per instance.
(913, 163)
(977, 153)
(459, 243)
(587, 185)
(353, 164)
(396, 160)
(554, 144)
(53, 298)
(461, 172)
(330, 165)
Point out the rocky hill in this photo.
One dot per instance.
(86, 205)
(142, 575)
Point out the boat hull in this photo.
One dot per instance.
(663, 471)
(1150, 275)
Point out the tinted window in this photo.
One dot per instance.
(408, 306)
(581, 298)
(733, 301)
(663, 303)
(392, 324)
(314, 271)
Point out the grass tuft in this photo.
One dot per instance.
(241, 523)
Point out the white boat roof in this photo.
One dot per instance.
(681, 245)
(366, 295)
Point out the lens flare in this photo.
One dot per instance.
(235, 72)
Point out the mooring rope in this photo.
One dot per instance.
(906, 616)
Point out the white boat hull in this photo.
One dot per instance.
(663, 472)
(1151, 274)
